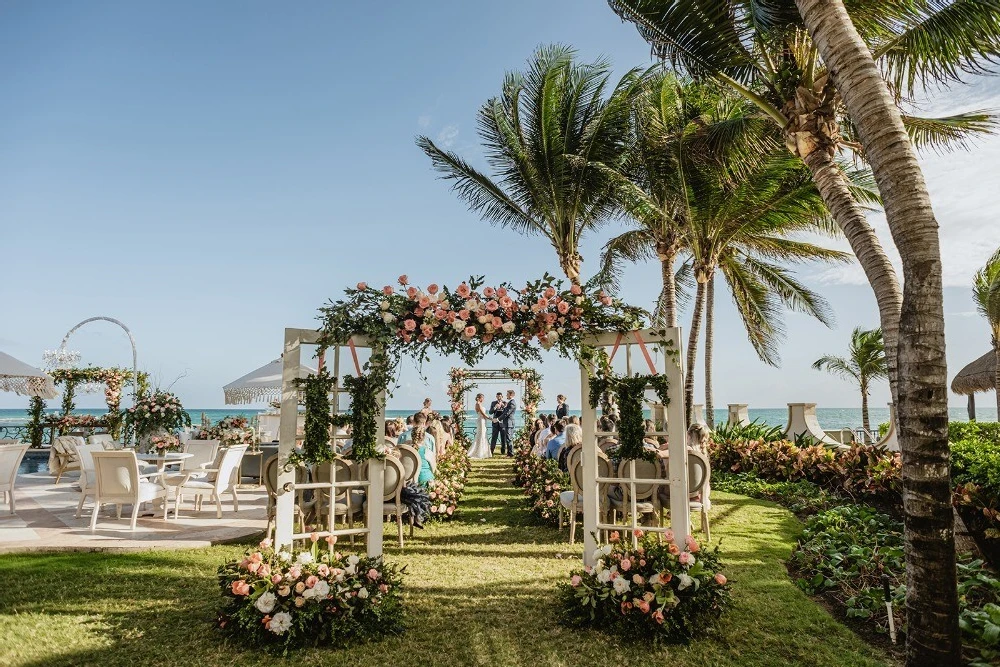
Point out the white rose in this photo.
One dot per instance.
(604, 576)
(280, 623)
(685, 582)
(655, 579)
(384, 305)
(285, 556)
(599, 554)
(621, 584)
(508, 327)
(471, 304)
(305, 558)
(363, 593)
(606, 550)
(265, 603)
(458, 325)
(321, 589)
(388, 318)
(489, 328)
(483, 319)
(353, 560)
(579, 300)
(552, 337)
(350, 570)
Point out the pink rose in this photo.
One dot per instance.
(550, 292)
(253, 566)
(497, 323)
(410, 325)
(440, 313)
(294, 572)
(506, 302)
(427, 330)
(405, 336)
(684, 558)
(626, 565)
(470, 331)
(563, 307)
(669, 536)
(492, 305)
(638, 532)
(240, 587)
(384, 588)
(692, 544)
(642, 606)
(658, 616)
(362, 286)
(614, 536)
(501, 291)
(575, 324)
(463, 291)
(432, 289)
(314, 537)
(264, 571)
(720, 579)
(606, 300)
(323, 570)
(403, 279)
(265, 543)
(575, 290)
(575, 580)
(424, 302)
(489, 292)
(411, 292)
(373, 574)
(418, 311)
(387, 290)
(463, 314)
(312, 580)
(275, 579)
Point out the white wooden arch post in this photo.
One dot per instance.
(676, 433)
(287, 488)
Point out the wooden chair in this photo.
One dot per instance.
(699, 478)
(410, 458)
(572, 500)
(347, 502)
(393, 480)
(120, 483)
(222, 477)
(647, 500)
(270, 475)
(10, 461)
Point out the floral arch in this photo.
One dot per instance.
(472, 320)
(462, 380)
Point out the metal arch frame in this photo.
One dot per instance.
(131, 339)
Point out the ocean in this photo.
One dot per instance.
(829, 418)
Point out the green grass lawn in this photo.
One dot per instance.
(479, 591)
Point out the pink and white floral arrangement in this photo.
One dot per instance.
(287, 599)
(448, 486)
(160, 411)
(163, 443)
(649, 589)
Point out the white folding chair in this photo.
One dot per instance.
(204, 452)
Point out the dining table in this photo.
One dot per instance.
(162, 460)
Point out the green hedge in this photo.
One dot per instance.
(984, 431)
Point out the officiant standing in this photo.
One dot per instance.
(507, 417)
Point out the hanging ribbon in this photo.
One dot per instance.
(645, 352)
(354, 355)
(614, 350)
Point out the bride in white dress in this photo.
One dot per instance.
(481, 447)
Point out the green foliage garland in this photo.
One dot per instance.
(68, 404)
(365, 391)
(630, 391)
(35, 429)
(316, 444)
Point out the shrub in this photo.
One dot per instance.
(800, 496)
(542, 481)
(755, 430)
(284, 601)
(652, 590)
(448, 486)
(987, 431)
(975, 469)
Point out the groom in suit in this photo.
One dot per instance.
(496, 409)
(507, 421)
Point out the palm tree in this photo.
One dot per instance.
(757, 50)
(864, 364)
(546, 137)
(986, 293)
(832, 66)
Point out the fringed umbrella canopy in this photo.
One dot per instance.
(979, 376)
(259, 385)
(20, 378)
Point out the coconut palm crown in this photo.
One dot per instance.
(864, 364)
(986, 293)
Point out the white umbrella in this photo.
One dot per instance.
(263, 383)
(20, 378)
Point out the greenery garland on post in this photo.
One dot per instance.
(365, 391)
(316, 443)
(630, 391)
(68, 404)
(36, 431)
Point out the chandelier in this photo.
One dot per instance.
(61, 358)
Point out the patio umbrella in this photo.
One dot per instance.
(20, 378)
(261, 384)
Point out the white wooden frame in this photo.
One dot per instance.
(676, 432)
(284, 534)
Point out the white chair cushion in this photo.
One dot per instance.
(198, 484)
(566, 498)
(149, 491)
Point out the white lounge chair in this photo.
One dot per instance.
(120, 483)
(65, 458)
(10, 461)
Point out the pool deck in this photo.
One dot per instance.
(45, 521)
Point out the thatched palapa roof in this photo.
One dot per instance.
(978, 376)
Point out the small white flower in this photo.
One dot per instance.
(621, 584)
(458, 325)
(579, 300)
(285, 556)
(655, 579)
(350, 570)
(685, 581)
(353, 560)
(388, 318)
(308, 593)
(599, 553)
(471, 304)
(363, 593)
(321, 589)
(280, 623)
(508, 327)
(604, 576)
(384, 305)
(606, 550)
(305, 558)
(265, 603)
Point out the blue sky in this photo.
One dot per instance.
(210, 173)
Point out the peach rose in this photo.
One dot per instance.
(658, 616)
(432, 289)
(497, 323)
(614, 536)
(625, 565)
(470, 331)
(312, 580)
(642, 606)
(362, 286)
(240, 587)
(403, 279)
(464, 314)
(410, 325)
(489, 292)
(575, 580)
(638, 532)
(275, 579)
(387, 290)
(492, 305)
(463, 291)
(575, 290)
(692, 544)
(506, 302)
(424, 302)
(549, 292)
(563, 307)
(264, 571)
(720, 579)
(411, 292)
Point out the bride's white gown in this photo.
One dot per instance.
(480, 447)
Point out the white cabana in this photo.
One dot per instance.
(259, 385)
(20, 378)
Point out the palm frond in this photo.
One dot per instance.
(793, 294)
(949, 132)
(636, 245)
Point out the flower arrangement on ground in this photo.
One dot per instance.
(229, 430)
(651, 590)
(532, 380)
(448, 485)
(289, 600)
(163, 443)
(161, 411)
(541, 479)
(458, 386)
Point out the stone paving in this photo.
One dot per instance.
(45, 521)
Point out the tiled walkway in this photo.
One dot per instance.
(45, 521)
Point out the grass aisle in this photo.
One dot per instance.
(479, 592)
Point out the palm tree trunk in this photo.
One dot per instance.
(692, 352)
(667, 315)
(865, 421)
(933, 636)
(833, 188)
(996, 384)
(709, 344)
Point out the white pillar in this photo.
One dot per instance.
(680, 510)
(285, 509)
(802, 419)
(591, 498)
(698, 414)
(891, 440)
(738, 414)
(376, 488)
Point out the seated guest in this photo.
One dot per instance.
(699, 437)
(423, 442)
(419, 419)
(536, 427)
(542, 438)
(650, 441)
(392, 430)
(556, 441)
(574, 438)
(574, 420)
